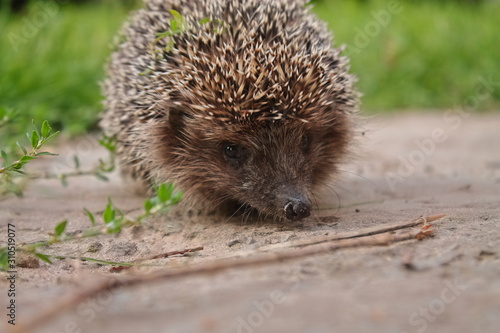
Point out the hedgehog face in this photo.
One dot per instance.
(273, 167)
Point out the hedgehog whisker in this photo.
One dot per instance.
(336, 184)
(315, 205)
(362, 177)
(246, 214)
(234, 213)
(331, 188)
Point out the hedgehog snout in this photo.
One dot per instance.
(297, 208)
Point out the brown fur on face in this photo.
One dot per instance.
(284, 159)
(268, 87)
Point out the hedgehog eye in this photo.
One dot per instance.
(234, 153)
(231, 151)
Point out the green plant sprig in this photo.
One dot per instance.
(178, 25)
(113, 221)
(37, 139)
(104, 167)
(10, 170)
(47, 257)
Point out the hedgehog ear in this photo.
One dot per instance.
(176, 122)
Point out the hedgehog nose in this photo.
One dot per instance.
(297, 209)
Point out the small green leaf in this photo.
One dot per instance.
(164, 192)
(114, 227)
(161, 35)
(4, 156)
(154, 201)
(43, 257)
(177, 16)
(177, 22)
(59, 229)
(175, 27)
(108, 142)
(51, 136)
(90, 216)
(101, 177)
(46, 129)
(46, 153)
(25, 152)
(220, 26)
(34, 139)
(204, 20)
(109, 213)
(147, 206)
(146, 72)
(4, 259)
(24, 160)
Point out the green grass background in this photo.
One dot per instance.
(430, 56)
(54, 75)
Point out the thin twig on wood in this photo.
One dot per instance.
(120, 268)
(171, 253)
(376, 237)
(355, 234)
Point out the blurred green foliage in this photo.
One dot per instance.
(419, 54)
(428, 55)
(52, 60)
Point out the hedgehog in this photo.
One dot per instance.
(244, 105)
